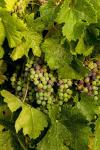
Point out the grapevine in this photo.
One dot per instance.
(50, 75)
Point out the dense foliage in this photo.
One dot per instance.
(50, 74)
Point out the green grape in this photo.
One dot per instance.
(95, 97)
(95, 92)
(39, 102)
(19, 88)
(44, 103)
(60, 102)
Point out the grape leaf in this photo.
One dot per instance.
(31, 120)
(2, 32)
(76, 123)
(87, 106)
(14, 27)
(48, 13)
(76, 15)
(32, 40)
(55, 54)
(58, 58)
(10, 4)
(81, 48)
(57, 137)
(96, 144)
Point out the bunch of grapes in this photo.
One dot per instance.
(39, 85)
(64, 90)
(44, 82)
(91, 83)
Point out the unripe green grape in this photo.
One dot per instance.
(65, 95)
(65, 80)
(60, 102)
(66, 99)
(39, 102)
(95, 92)
(40, 85)
(65, 86)
(69, 83)
(60, 94)
(36, 76)
(69, 91)
(44, 103)
(45, 87)
(40, 94)
(40, 75)
(36, 82)
(19, 88)
(85, 89)
(95, 97)
(94, 83)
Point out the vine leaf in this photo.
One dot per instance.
(57, 57)
(87, 106)
(76, 15)
(81, 48)
(77, 124)
(32, 40)
(31, 120)
(57, 137)
(14, 27)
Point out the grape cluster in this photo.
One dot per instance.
(44, 82)
(39, 85)
(91, 83)
(64, 91)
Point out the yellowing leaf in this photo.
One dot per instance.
(31, 120)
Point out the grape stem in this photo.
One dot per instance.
(24, 98)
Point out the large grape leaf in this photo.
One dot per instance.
(32, 39)
(76, 15)
(96, 145)
(87, 106)
(76, 123)
(57, 137)
(31, 120)
(13, 26)
(57, 57)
